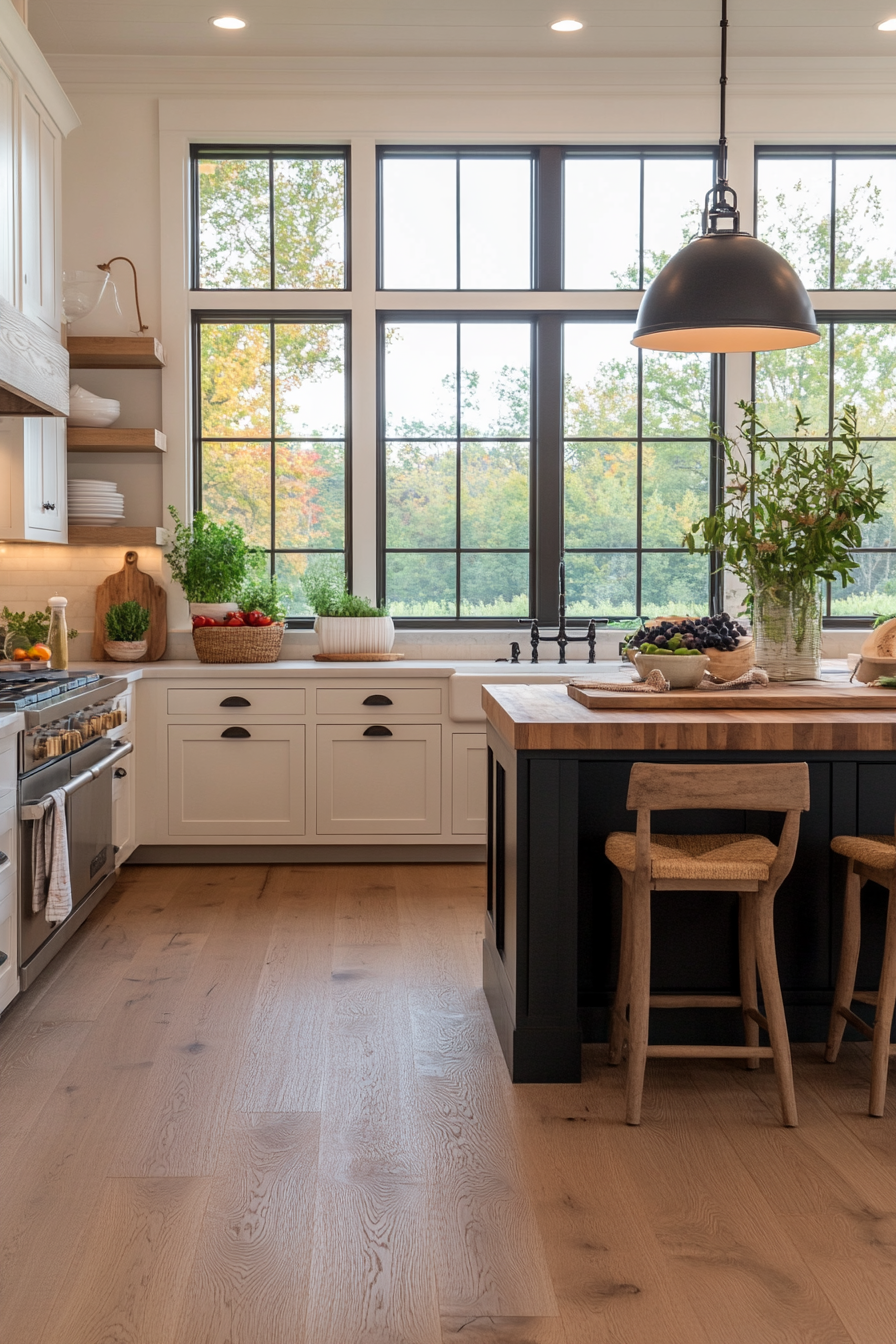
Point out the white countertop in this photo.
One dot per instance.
(305, 668)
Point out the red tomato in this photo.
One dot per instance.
(234, 621)
(264, 620)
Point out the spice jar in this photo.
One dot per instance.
(57, 639)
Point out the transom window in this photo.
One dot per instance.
(271, 413)
(269, 218)
(456, 219)
(626, 213)
(831, 213)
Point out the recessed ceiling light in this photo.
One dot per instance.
(227, 21)
(888, 26)
(567, 26)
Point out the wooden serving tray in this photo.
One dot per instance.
(779, 695)
(357, 657)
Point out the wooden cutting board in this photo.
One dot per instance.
(779, 695)
(130, 584)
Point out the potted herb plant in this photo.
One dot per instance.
(126, 627)
(211, 562)
(345, 624)
(790, 521)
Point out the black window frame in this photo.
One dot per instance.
(223, 317)
(831, 318)
(832, 152)
(546, 463)
(270, 152)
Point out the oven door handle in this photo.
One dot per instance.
(34, 811)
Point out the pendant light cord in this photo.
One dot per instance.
(723, 88)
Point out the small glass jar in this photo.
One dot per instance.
(57, 639)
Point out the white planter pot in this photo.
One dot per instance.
(355, 634)
(217, 610)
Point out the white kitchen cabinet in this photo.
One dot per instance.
(8, 193)
(9, 958)
(469, 783)
(9, 968)
(33, 479)
(123, 810)
(40, 190)
(379, 783)
(239, 780)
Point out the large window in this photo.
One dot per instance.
(855, 362)
(269, 218)
(457, 452)
(637, 471)
(270, 409)
(832, 213)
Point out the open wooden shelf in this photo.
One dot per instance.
(117, 536)
(115, 352)
(113, 440)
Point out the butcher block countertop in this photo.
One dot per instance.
(547, 718)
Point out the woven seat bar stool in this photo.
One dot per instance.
(872, 858)
(748, 864)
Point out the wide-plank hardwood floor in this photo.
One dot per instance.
(252, 1105)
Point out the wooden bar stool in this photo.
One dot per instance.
(748, 864)
(872, 858)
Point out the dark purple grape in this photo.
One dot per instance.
(660, 641)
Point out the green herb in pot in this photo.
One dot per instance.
(209, 560)
(326, 591)
(126, 623)
(264, 594)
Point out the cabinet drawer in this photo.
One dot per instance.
(8, 834)
(250, 784)
(228, 703)
(8, 768)
(356, 700)
(380, 785)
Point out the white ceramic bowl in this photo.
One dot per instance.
(681, 671)
(89, 411)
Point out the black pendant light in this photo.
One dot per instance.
(725, 290)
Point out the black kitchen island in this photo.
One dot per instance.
(558, 778)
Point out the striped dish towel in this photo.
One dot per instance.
(51, 884)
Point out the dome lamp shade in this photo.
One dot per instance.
(725, 291)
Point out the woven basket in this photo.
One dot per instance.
(238, 644)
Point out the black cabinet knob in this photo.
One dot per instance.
(236, 702)
(236, 732)
(48, 505)
(121, 774)
(377, 730)
(377, 700)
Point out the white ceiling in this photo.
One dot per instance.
(775, 28)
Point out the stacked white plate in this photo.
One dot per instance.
(95, 503)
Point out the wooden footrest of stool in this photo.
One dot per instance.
(709, 1052)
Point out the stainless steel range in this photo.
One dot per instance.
(69, 742)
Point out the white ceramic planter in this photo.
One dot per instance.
(217, 610)
(355, 634)
(125, 650)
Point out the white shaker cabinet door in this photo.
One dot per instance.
(46, 489)
(239, 780)
(8, 193)
(378, 779)
(39, 184)
(469, 783)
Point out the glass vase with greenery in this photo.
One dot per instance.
(211, 561)
(791, 519)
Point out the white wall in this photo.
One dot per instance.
(113, 202)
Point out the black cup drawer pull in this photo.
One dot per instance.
(377, 730)
(236, 732)
(236, 702)
(377, 700)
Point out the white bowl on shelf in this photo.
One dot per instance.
(88, 411)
